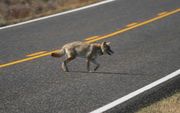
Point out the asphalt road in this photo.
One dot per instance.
(142, 55)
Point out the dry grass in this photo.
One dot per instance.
(167, 105)
(13, 11)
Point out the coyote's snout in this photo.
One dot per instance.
(83, 50)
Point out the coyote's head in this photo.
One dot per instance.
(106, 49)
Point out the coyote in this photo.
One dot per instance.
(83, 50)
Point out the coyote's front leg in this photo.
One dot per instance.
(97, 64)
(94, 62)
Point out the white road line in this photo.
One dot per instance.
(137, 92)
(58, 14)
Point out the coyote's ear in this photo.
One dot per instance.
(108, 43)
(103, 43)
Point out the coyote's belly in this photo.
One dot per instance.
(83, 51)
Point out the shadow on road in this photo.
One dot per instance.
(114, 73)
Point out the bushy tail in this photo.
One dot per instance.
(58, 54)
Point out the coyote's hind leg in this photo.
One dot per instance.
(64, 64)
(88, 65)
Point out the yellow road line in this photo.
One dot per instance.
(132, 24)
(135, 26)
(26, 59)
(37, 53)
(162, 13)
(96, 39)
(90, 38)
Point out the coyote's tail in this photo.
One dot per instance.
(60, 53)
